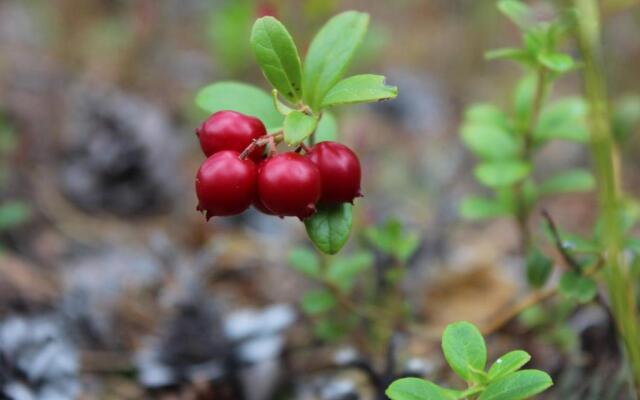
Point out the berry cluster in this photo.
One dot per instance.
(237, 173)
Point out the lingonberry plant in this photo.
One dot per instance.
(318, 179)
(506, 145)
(507, 141)
(348, 292)
(466, 353)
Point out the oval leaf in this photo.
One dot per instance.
(578, 287)
(242, 98)
(502, 173)
(508, 363)
(278, 57)
(359, 89)
(330, 54)
(419, 389)
(517, 386)
(489, 142)
(539, 268)
(518, 12)
(305, 261)
(464, 349)
(343, 271)
(298, 126)
(330, 226)
(317, 302)
(474, 207)
(578, 180)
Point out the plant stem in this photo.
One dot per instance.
(524, 210)
(606, 163)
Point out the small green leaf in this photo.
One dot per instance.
(625, 116)
(329, 228)
(317, 302)
(489, 142)
(557, 62)
(508, 363)
(278, 57)
(330, 330)
(344, 270)
(298, 126)
(305, 261)
(392, 240)
(359, 89)
(327, 130)
(577, 180)
(330, 54)
(539, 268)
(12, 214)
(516, 11)
(578, 287)
(517, 386)
(474, 207)
(563, 119)
(520, 55)
(419, 389)
(279, 106)
(464, 349)
(501, 173)
(242, 98)
(486, 114)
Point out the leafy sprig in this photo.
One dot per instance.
(303, 92)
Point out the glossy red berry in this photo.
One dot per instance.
(230, 130)
(340, 171)
(257, 202)
(225, 184)
(289, 185)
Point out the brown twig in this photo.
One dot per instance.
(271, 140)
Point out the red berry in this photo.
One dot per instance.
(225, 184)
(340, 171)
(289, 185)
(230, 130)
(257, 202)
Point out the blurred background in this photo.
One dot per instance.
(112, 286)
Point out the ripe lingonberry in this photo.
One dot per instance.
(230, 130)
(340, 171)
(225, 184)
(289, 185)
(257, 202)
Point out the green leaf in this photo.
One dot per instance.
(317, 302)
(489, 142)
(486, 114)
(474, 207)
(516, 11)
(327, 130)
(578, 287)
(577, 180)
(392, 240)
(305, 261)
(558, 62)
(625, 116)
(501, 173)
(330, 54)
(359, 89)
(12, 214)
(517, 386)
(419, 389)
(330, 330)
(278, 57)
(242, 98)
(344, 270)
(298, 126)
(520, 55)
(464, 349)
(508, 363)
(329, 228)
(539, 268)
(228, 28)
(563, 119)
